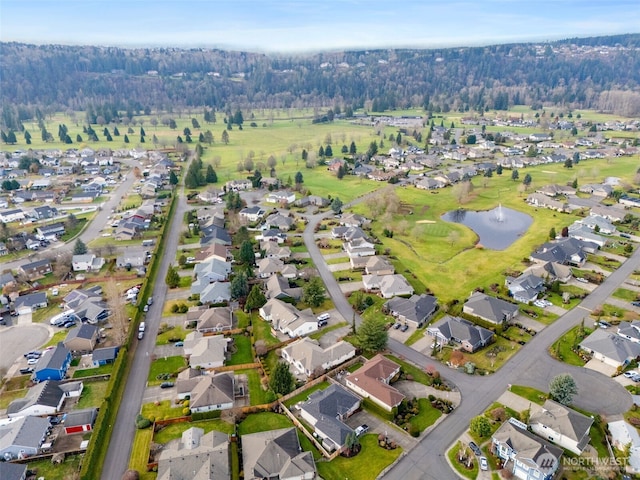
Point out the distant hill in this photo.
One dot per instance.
(599, 73)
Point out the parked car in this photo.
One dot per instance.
(140, 335)
(322, 323)
(178, 344)
(404, 327)
(635, 304)
(630, 374)
(484, 465)
(362, 429)
(625, 235)
(32, 361)
(603, 324)
(146, 308)
(475, 449)
(150, 301)
(166, 385)
(583, 280)
(397, 325)
(324, 316)
(33, 353)
(26, 371)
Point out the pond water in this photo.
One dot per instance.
(497, 228)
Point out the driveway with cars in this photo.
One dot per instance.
(16, 341)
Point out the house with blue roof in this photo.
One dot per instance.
(53, 364)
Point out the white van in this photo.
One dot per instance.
(142, 327)
(323, 317)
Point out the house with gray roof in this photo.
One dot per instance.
(195, 456)
(80, 421)
(104, 356)
(30, 302)
(278, 287)
(92, 310)
(22, 437)
(278, 221)
(585, 234)
(205, 352)
(610, 348)
(526, 287)
(267, 267)
(326, 411)
(562, 425)
(276, 454)
(525, 455)
(596, 222)
(212, 392)
(458, 330)
(44, 398)
(210, 271)
(216, 292)
(13, 471)
(308, 358)
(82, 338)
(567, 251)
(215, 234)
(491, 309)
(388, 285)
(416, 310)
(37, 269)
(53, 364)
(551, 271)
(630, 330)
(217, 319)
(287, 319)
(132, 257)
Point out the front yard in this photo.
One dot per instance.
(566, 347)
(167, 365)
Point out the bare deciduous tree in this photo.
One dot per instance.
(118, 317)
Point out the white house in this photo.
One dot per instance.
(287, 319)
(308, 358)
(205, 352)
(562, 425)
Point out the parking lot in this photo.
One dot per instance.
(16, 341)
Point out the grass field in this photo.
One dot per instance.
(242, 354)
(530, 393)
(562, 349)
(367, 465)
(92, 394)
(90, 372)
(262, 422)
(163, 410)
(170, 365)
(172, 432)
(140, 449)
(257, 395)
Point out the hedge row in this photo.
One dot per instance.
(93, 460)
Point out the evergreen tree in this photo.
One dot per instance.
(372, 335)
(321, 152)
(256, 299)
(282, 381)
(116, 132)
(562, 388)
(79, 248)
(352, 148)
(515, 175)
(126, 138)
(527, 180)
(247, 255)
(298, 178)
(173, 178)
(225, 137)
(499, 170)
(79, 138)
(314, 292)
(211, 176)
(239, 285)
(173, 278)
(328, 151)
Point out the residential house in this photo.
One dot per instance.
(80, 421)
(215, 234)
(36, 270)
(22, 437)
(132, 257)
(215, 251)
(314, 200)
(104, 355)
(596, 222)
(543, 201)
(45, 212)
(630, 330)
(76, 297)
(526, 287)
(610, 348)
(238, 185)
(491, 309)
(51, 231)
(611, 213)
(585, 234)
(353, 220)
(378, 265)
(623, 435)
(44, 398)
(373, 380)
(86, 263)
(278, 221)
(287, 319)
(211, 392)
(217, 319)
(597, 190)
(3, 249)
(196, 456)
(554, 190)
(276, 454)
(281, 197)
(427, 183)
(268, 267)
(216, 293)
(13, 471)
(326, 411)
(13, 215)
(308, 358)
(388, 285)
(252, 214)
(416, 310)
(525, 455)
(470, 337)
(213, 270)
(272, 235)
(278, 287)
(359, 247)
(551, 271)
(205, 352)
(82, 338)
(562, 425)
(273, 250)
(30, 302)
(53, 364)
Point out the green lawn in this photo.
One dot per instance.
(90, 372)
(164, 410)
(628, 295)
(426, 417)
(48, 470)
(171, 432)
(176, 332)
(604, 262)
(140, 449)
(490, 358)
(57, 338)
(530, 393)
(171, 365)
(92, 394)
(302, 396)
(367, 465)
(243, 353)
(262, 331)
(257, 395)
(263, 421)
(415, 336)
(562, 349)
(460, 468)
(418, 375)
(242, 318)
(6, 397)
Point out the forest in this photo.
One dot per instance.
(600, 73)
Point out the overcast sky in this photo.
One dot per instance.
(310, 25)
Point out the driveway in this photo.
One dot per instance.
(18, 340)
(600, 366)
(334, 336)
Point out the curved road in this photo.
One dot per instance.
(530, 366)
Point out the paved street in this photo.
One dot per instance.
(119, 451)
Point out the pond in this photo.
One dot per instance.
(497, 228)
